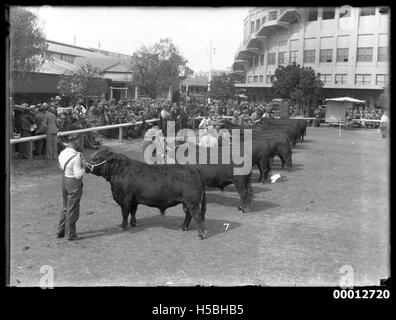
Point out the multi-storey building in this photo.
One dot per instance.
(347, 46)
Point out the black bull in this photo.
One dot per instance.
(220, 173)
(161, 186)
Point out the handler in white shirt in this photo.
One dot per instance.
(205, 122)
(210, 139)
(73, 167)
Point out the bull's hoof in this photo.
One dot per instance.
(245, 210)
(183, 228)
(123, 227)
(162, 213)
(133, 224)
(201, 236)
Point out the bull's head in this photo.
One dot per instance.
(97, 162)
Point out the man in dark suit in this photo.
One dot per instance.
(51, 125)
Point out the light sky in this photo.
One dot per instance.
(125, 29)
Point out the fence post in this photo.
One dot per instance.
(30, 150)
(120, 134)
(82, 142)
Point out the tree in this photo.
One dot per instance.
(82, 83)
(28, 48)
(157, 68)
(301, 85)
(222, 87)
(383, 99)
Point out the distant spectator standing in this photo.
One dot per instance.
(50, 122)
(384, 124)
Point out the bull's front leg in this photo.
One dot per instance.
(282, 159)
(266, 168)
(124, 213)
(132, 211)
(243, 190)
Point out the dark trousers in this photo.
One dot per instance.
(52, 146)
(38, 146)
(71, 192)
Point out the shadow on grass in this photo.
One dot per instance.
(255, 206)
(300, 146)
(212, 226)
(307, 141)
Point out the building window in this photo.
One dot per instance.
(345, 11)
(363, 79)
(269, 80)
(282, 58)
(342, 54)
(255, 79)
(252, 27)
(313, 15)
(293, 56)
(382, 79)
(367, 11)
(261, 59)
(271, 58)
(384, 10)
(365, 54)
(309, 56)
(273, 15)
(341, 78)
(262, 20)
(325, 78)
(326, 55)
(250, 62)
(68, 58)
(257, 24)
(261, 79)
(382, 53)
(328, 14)
(249, 79)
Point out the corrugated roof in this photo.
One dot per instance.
(57, 66)
(72, 50)
(102, 63)
(118, 68)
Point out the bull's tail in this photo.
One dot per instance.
(250, 193)
(203, 202)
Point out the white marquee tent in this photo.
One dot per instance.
(336, 107)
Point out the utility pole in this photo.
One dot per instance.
(211, 50)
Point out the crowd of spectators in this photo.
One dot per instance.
(30, 120)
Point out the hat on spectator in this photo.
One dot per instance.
(58, 98)
(33, 106)
(44, 106)
(73, 137)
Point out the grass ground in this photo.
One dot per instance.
(330, 210)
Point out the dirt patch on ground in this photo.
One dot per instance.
(330, 210)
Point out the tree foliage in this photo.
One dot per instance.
(28, 48)
(222, 87)
(383, 99)
(301, 85)
(158, 67)
(82, 83)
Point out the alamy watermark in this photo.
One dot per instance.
(47, 278)
(190, 152)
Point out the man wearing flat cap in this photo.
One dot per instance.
(50, 123)
(72, 165)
